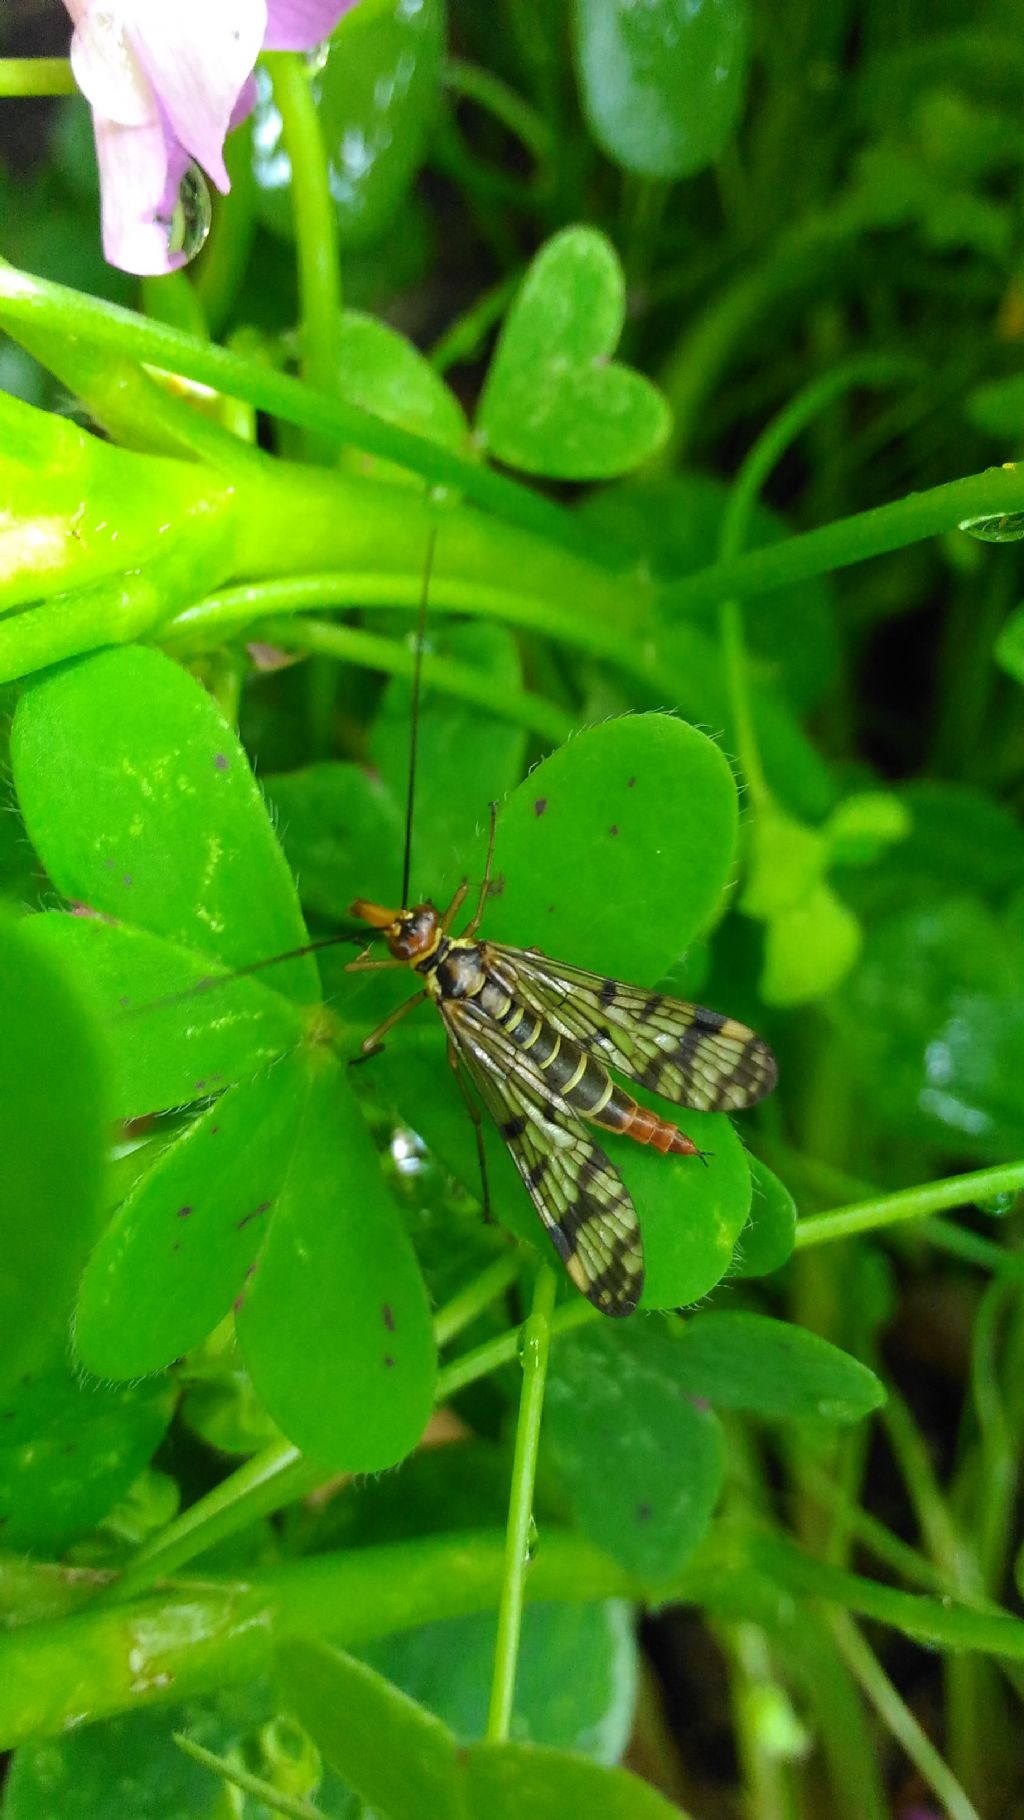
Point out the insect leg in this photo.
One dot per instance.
(372, 1045)
(368, 963)
(478, 1129)
(475, 920)
(455, 906)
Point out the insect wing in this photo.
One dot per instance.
(581, 1199)
(688, 1054)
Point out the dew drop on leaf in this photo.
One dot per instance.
(1002, 527)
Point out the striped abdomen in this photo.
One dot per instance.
(577, 1078)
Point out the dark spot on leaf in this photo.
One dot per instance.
(614, 829)
(214, 1130)
(199, 1085)
(177, 1245)
(183, 1212)
(127, 879)
(387, 1316)
(9, 1415)
(388, 1360)
(220, 760)
(643, 1511)
(496, 886)
(250, 1270)
(124, 999)
(238, 1303)
(253, 1215)
(71, 1447)
(540, 805)
(701, 1404)
(109, 865)
(551, 909)
(631, 783)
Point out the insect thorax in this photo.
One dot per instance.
(455, 970)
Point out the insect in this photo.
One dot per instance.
(540, 1042)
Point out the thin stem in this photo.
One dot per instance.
(736, 672)
(535, 1342)
(464, 337)
(21, 76)
(350, 644)
(470, 1301)
(908, 1204)
(506, 104)
(316, 228)
(898, 1719)
(274, 1798)
(503, 1349)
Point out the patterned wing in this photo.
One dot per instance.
(581, 1199)
(690, 1055)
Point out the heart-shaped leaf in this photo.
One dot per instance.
(662, 83)
(555, 402)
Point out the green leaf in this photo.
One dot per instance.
(1009, 647)
(749, 1361)
(932, 1025)
(375, 87)
(555, 403)
(130, 1766)
(662, 83)
(405, 1763)
(641, 1463)
(69, 1450)
(766, 1242)
(53, 1133)
(383, 371)
(177, 1252)
(139, 800)
(341, 829)
(575, 1679)
(334, 1324)
(809, 948)
(168, 1049)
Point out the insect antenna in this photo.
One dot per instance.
(414, 724)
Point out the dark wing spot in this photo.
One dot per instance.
(513, 1128)
(608, 993)
(540, 805)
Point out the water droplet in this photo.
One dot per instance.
(1002, 527)
(997, 1206)
(190, 222)
(532, 1540)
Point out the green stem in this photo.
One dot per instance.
(24, 298)
(350, 644)
(273, 1798)
(899, 1720)
(21, 76)
(465, 336)
(535, 1344)
(316, 229)
(736, 674)
(909, 1204)
(507, 106)
(846, 541)
(503, 1349)
(469, 1302)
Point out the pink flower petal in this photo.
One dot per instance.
(137, 171)
(106, 70)
(296, 25)
(197, 55)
